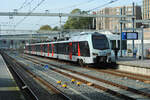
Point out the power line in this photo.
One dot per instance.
(30, 12)
(22, 5)
(71, 6)
(110, 2)
(27, 4)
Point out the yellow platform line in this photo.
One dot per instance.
(9, 89)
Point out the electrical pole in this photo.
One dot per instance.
(133, 21)
(142, 43)
(121, 33)
(60, 24)
(93, 23)
(0, 29)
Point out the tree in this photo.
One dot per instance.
(45, 27)
(78, 22)
(56, 28)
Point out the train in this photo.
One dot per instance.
(85, 48)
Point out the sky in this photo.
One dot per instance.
(53, 6)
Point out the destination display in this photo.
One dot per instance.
(129, 35)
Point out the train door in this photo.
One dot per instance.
(70, 51)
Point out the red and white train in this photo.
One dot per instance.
(87, 48)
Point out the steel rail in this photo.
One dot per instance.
(94, 85)
(44, 82)
(23, 83)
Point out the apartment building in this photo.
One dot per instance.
(113, 24)
(146, 9)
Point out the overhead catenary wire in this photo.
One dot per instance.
(22, 6)
(72, 6)
(68, 7)
(110, 2)
(30, 12)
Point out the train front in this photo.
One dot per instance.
(101, 49)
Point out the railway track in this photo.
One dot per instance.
(80, 92)
(97, 79)
(137, 77)
(27, 91)
(34, 93)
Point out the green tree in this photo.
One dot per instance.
(78, 22)
(45, 27)
(56, 28)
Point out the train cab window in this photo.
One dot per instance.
(100, 42)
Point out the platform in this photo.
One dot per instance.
(8, 87)
(130, 61)
(134, 65)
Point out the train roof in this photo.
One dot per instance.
(83, 36)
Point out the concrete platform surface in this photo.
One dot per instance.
(8, 87)
(130, 61)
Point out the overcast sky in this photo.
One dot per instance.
(54, 6)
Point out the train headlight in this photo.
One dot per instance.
(95, 54)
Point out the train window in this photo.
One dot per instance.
(41, 47)
(59, 48)
(66, 48)
(37, 48)
(30, 49)
(55, 48)
(84, 49)
(75, 48)
(45, 48)
(50, 48)
(62, 48)
(100, 42)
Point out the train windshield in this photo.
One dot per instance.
(100, 42)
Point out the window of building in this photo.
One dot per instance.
(118, 10)
(129, 9)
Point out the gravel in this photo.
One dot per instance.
(75, 92)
